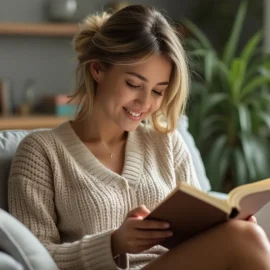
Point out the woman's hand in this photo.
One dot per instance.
(252, 219)
(136, 234)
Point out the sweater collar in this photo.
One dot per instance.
(134, 156)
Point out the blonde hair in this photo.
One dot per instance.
(131, 35)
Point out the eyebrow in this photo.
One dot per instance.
(144, 79)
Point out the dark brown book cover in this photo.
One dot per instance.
(190, 216)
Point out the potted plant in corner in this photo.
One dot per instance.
(229, 107)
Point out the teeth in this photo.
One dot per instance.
(133, 113)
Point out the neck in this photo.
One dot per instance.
(96, 128)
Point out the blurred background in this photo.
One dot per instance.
(227, 44)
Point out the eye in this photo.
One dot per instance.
(157, 93)
(132, 85)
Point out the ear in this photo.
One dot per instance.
(96, 70)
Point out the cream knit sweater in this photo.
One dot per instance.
(72, 203)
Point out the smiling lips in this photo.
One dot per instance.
(134, 115)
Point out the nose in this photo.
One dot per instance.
(144, 101)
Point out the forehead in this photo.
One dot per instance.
(156, 68)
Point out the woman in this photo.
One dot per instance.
(84, 187)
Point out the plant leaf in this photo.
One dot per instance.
(248, 150)
(213, 100)
(212, 124)
(199, 52)
(266, 97)
(198, 34)
(237, 76)
(244, 118)
(221, 68)
(192, 44)
(195, 124)
(240, 167)
(265, 117)
(261, 158)
(209, 66)
(260, 61)
(264, 71)
(198, 88)
(217, 162)
(251, 47)
(253, 85)
(232, 43)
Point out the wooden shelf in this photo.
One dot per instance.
(39, 29)
(30, 122)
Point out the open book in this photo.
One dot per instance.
(191, 211)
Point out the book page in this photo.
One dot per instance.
(237, 194)
(263, 219)
(219, 203)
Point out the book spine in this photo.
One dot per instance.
(5, 98)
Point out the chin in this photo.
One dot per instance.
(129, 128)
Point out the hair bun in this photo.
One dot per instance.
(95, 22)
(90, 26)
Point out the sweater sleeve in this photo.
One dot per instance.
(31, 200)
(183, 165)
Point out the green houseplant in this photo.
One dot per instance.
(229, 106)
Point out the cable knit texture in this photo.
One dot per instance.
(72, 203)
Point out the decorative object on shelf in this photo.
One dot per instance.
(114, 6)
(29, 95)
(57, 105)
(62, 10)
(5, 97)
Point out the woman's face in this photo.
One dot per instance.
(127, 94)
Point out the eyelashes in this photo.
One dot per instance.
(137, 86)
(132, 86)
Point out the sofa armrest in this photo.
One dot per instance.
(7, 262)
(22, 245)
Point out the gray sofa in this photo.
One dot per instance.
(20, 249)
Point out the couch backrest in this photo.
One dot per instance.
(194, 152)
(9, 141)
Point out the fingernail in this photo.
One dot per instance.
(166, 225)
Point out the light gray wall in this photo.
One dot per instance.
(50, 61)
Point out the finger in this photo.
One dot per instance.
(150, 224)
(252, 219)
(147, 234)
(140, 211)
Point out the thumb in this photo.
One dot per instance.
(252, 219)
(139, 212)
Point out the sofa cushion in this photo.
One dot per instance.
(8, 263)
(9, 141)
(194, 153)
(22, 245)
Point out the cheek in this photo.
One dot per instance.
(156, 104)
(113, 92)
(124, 95)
